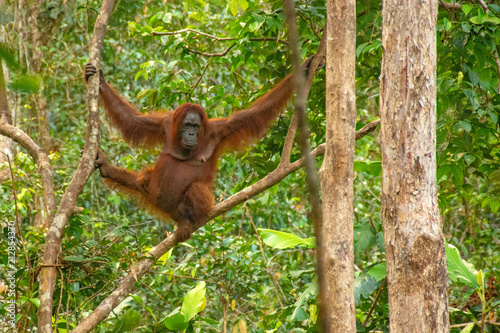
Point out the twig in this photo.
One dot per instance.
(448, 5)
(186, 277)
(155, 33)
(18, 222)
(308, 20)
(367, 129)
(483, 4)
(201, 76)
(145, 285)
(41, 160)
(213, 54)
(14, 194)
(374, 303)
(253, 39)
(497, 61)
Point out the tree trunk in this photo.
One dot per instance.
(416, 261)
(337, 301)
(6, 117)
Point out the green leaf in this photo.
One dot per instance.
(130, 320)
(176, 322)
(233, 6)
(310, 292)
(465, 125)
(494, 205)
(167, 18)
(379, 271)
(364, 285)
(285, 240)
(26, 84)
(444, 170)
(144, 93)
(243, 4)
(468, 328)
(493, 19)
(477, 20)
(460, 270)
(375, 168)
(364, 237)
(194, 301)
(458, 175)
(469, 159)
(466, 9)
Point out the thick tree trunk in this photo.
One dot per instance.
(337, 303)
(416, 262)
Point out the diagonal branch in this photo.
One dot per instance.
(48, 272)
(316, 64)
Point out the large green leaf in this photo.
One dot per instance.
(176, 321)
(285, 240)
(379, 271)
(194, 301)
(460, 270)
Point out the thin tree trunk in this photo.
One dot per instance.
(337, 301)
(48, 272)
(416, 262)
(5, 117)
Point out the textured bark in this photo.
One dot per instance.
(416, 262)
(50, 262)
(337, 302)
(5, 117)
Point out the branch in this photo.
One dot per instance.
(316, 63)
(256, 39)
(213, 54)
(451, 6)
(41, 160)
(48, 272)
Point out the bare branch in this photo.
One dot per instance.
(483, 4)
(315, 65)
(156, 33)
(451, 6)
(256, 39)
(497, 61)
(370, 127)
(201, 76)
(48, 272)
(213, 54)
(41, 160)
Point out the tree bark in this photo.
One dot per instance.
(5, 117)
(416, 262)
(50, 262)
(337, 303)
